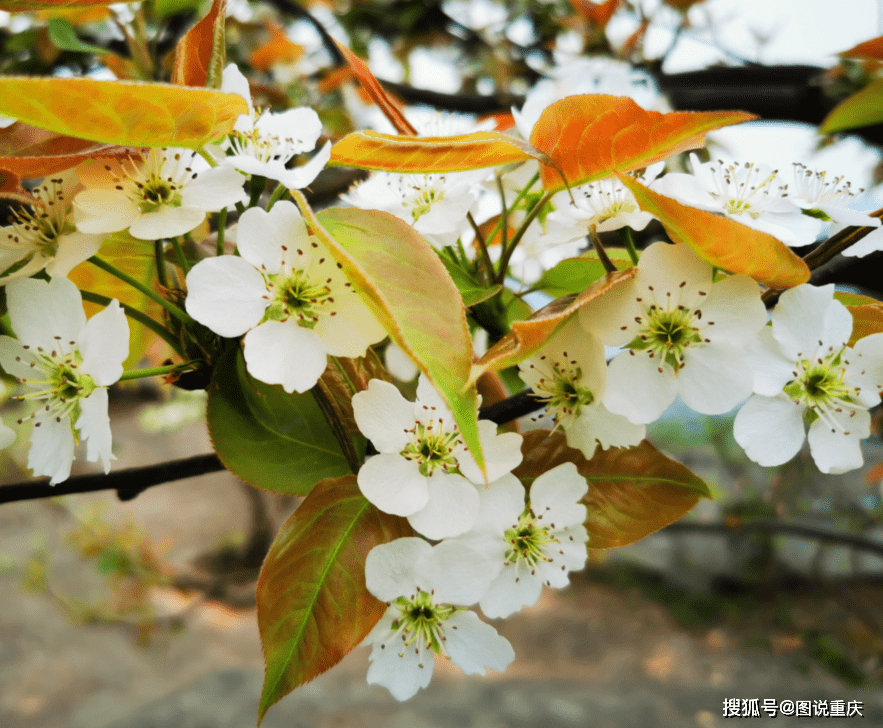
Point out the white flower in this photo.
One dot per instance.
(287, 292)
(604, 205)
(68, 363)
(264, 144)
(748, 193)
(533, 544)
(424, 470)
(871, 243)
(805, 372)
(161, 195)
(45, 236)
(570, 374)
(6, 121)
(7, 436)
(683, 335)
(426, 587)
(814, 192)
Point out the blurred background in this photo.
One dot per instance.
(140, 614)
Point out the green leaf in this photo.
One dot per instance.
(470, 289)
(574, 275)
(861, 109)
(313, 605)
(63, 35)
(632, 491)
(273, 440)
(409, 290)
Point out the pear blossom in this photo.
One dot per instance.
(807, 374)
(682, 334)
(814, 192)
(749, 193)
(165, 193)
(264, 144)
(424, 470)
(45, 236)
(287, 295)
(569, 372)
(7, 435)
(68, 363)
(532, 544)
(426, 588)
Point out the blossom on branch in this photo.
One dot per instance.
(68, 364)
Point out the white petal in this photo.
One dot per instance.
(564, 557)
(399, 670)
(474, 646)
(40, 311)
(871, 243)
(214, 189)
(715, 378)
(93, 425)
(501, 504)
(806, 318)
(104, 344)
(514, 589)
(300, 177)
(166, 222)
(233, 82)
(7, 436)
(555, 497)
(612, 316)
(384, 416)
(73, 249)
(430, 406)
(770, 429)
(676, 269)
(278, 352)
(16, 360)
(733, 310)
(454, 573)
(390, 569)
(865, 369)
(502, 454)
(451, 509)
(226, 294)
(352, 330)
(598, 425)
(52, 449)
(833, 450)
(637, 389)
(393, 484)
(772, 371)
(261, 235)
(300, 127)
(104, 211)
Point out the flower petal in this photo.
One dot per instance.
(598, 425)
(555, 497)
(501, 504)
(166, 222)
(384, 416)
(835, 450)
(502, 454)
(390, 569)
(399, 670)
(52, 449)
(716, 377)
(454, 573)
(278, 352)
(99, 210)
(637, 389)
(451, 510)
(41, 313)
(226, 294)
(214, 189)
(796, 320)
(73, 249)
(770, 429)
(514, 588)
(393, 484)
(262, 237)
(93, 424)
(474, 646)
(104, 344)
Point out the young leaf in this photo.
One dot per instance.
(871, 50)
(408, 289)
(16, 6)
(390, 108)
(632, 491)
(313, 605)
(470, 289)
(573, 275)
(200, 55)
(122, 112)
(345, 377)
(723, 242)
(278, 49)
(273, 440)
(863, 108)
(32, 153)
(11, 189)
(867, 315)
(528, 336)
(590, 135)
(406, 154)
(64, 36)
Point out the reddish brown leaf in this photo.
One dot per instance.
(31, 153)
(313, 605)
(598, 14)
(591, 135)
(633, 492)
(723, 242)
(11, 189)
(278, 49)
(390, 108)
(871, 50)
(199, 55)
(528, 336)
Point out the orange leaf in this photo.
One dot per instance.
(15, 6)
(632, 491)
(591, 135)
(723, 242)
(390, 153)
(388, 106)
(867, 314)
(122, 112)
(528, 336)
(199, 55)
(870, 49)
(31, 153)
(598, 14)
(276, 50)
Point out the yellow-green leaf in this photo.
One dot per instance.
(863, 108)
(723, 242)
(632, 491)
(867, 314)
(408, 154)
(589, 136)
(128, 113)
(16, 6)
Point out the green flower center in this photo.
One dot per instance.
(156, 193)
(668, 333)
(527, 541)
(297, 295)
(421, 624)
(432, 448)
(40, 228)
(820, 387)
(560, 387)
(423, 200)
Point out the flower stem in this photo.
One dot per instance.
(179, 254)
(139, 316)
(516, 238)
(207, 156)
(625, 234)
(277, 195)
(178, 313)
(222, 228)
(152, 372)
(160, 263)
(608, 264)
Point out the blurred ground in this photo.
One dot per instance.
(86, 642)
